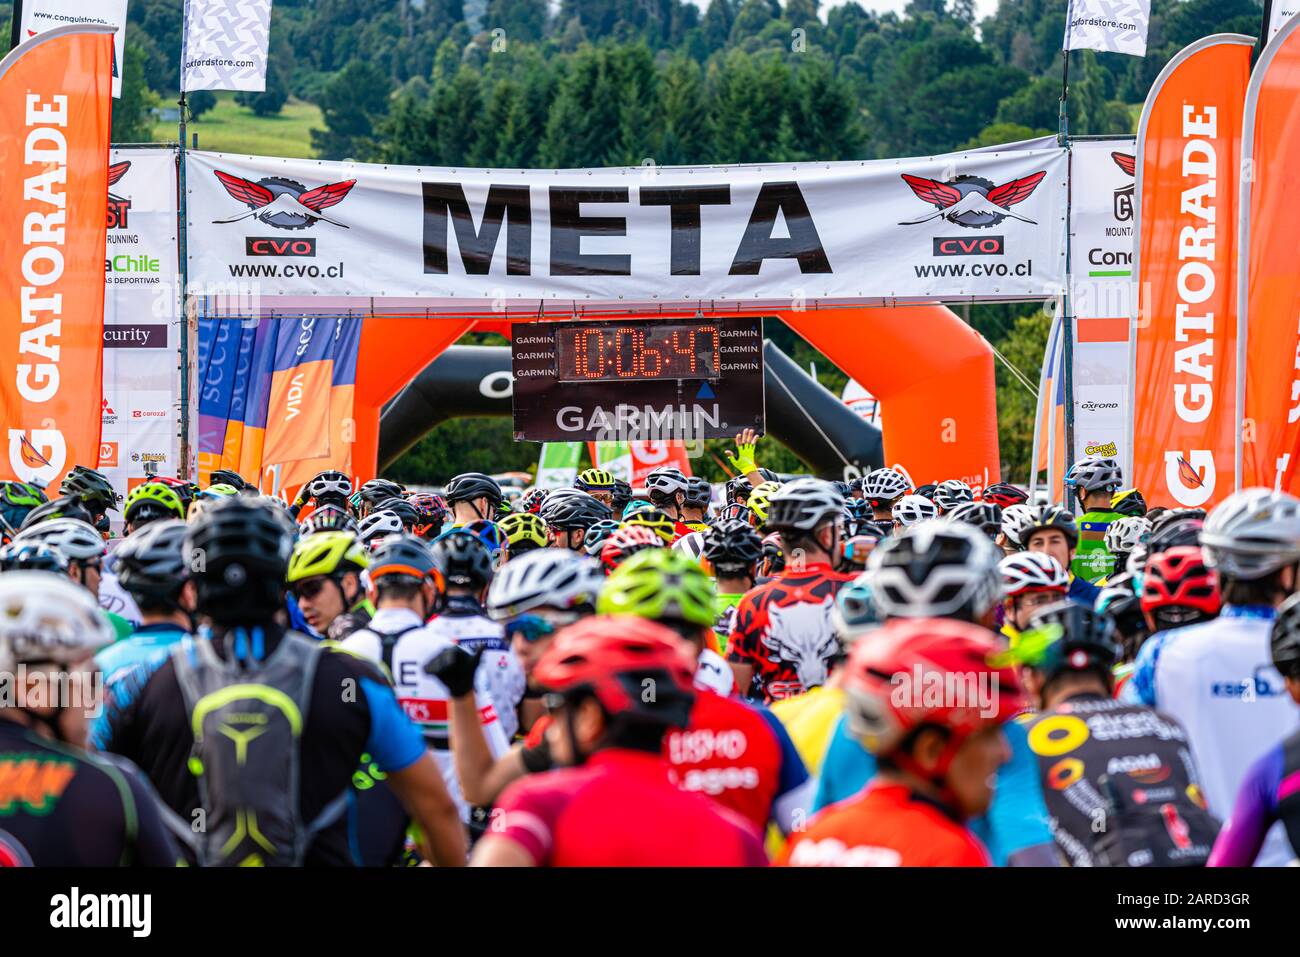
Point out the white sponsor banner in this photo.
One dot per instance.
(857, 398)
(967, 224)
(224, 45)
(141, 319)
(1101, 258)
(42, 15)
(1110, 26)
(1283, 10)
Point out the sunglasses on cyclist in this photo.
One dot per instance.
(530, 628)
(308, 588)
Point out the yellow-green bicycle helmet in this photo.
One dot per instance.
(760, 498)
(594, 480)
(655, 519)
(659, 583)
(151, 501)
(326, 553)
(523, 527)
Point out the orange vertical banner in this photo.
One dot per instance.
(55, 106)
(1185, 331)
(1268, 348)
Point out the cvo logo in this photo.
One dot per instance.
(969, 246)
(972, 201)
(270, 246)
(117, 206)
(1124, 195)
(283, 203)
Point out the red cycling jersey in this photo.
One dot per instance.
(782, 629)
(887, 825)
(736, 754)
(620, 810)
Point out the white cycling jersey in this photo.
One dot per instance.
(424, 698)
(113, 597)
(467, 627)
(1217, 679)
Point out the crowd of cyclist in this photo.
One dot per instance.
(800, 672)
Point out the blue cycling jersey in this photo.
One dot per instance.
(1016, 820)
(127, 666)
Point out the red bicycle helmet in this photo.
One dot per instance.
(611, 657)
(1001, 494)
(889, 684)
(1179, 588)
(626, 542)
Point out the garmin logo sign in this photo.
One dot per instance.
(133, 336)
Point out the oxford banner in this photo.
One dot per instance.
(987, 225)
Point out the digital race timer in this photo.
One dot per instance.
(614, 352)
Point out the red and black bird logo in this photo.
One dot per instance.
(972, 201)
(1125, 161)
(284, 203)
(118, 206)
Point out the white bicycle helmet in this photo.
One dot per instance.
(546, 577)
(936, 570)
(1127, 533)
(75, 539)
(1015, 519)
(884, 485)
(329, 482)
(46, 619)
(803, 505)
(948, 495)
(691, 545)
(1032, 571)
(1252, 533)
(913, 509)
(377, 525)
(668, 480)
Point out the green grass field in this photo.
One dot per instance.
(231, 128)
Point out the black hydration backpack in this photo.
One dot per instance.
(247, 755)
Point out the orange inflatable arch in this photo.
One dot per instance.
(932, 374)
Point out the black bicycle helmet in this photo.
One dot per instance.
(732, 545)
(28, 556)
(1087, 640)
(1050, 516)
(228, 477)
(403, 560)
(622, 495)
(699, 493)
(734, 511)
(1129, 502)
(472, 485)
(93, 488)
(463, 559)
(576, 510)
(150, 564)
(67, 507)
(985, 516)
(404, 510)
(738, 490)
(1285, 641)
(1175, 528)
(378, 490)
(1122, 605)
(237, 552)
(330, 487)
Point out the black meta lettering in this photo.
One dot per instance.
(757, 244)
(968, 246)
(508, 204)
(569, 226)
(685, 203)
(279, 246)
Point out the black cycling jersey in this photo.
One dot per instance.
(63, 807)
(353, 712)
(1120, 785)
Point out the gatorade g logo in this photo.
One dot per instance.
(969, 246)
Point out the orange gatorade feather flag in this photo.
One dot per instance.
(1269, 281)
(1185, 330)
(55, 107)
